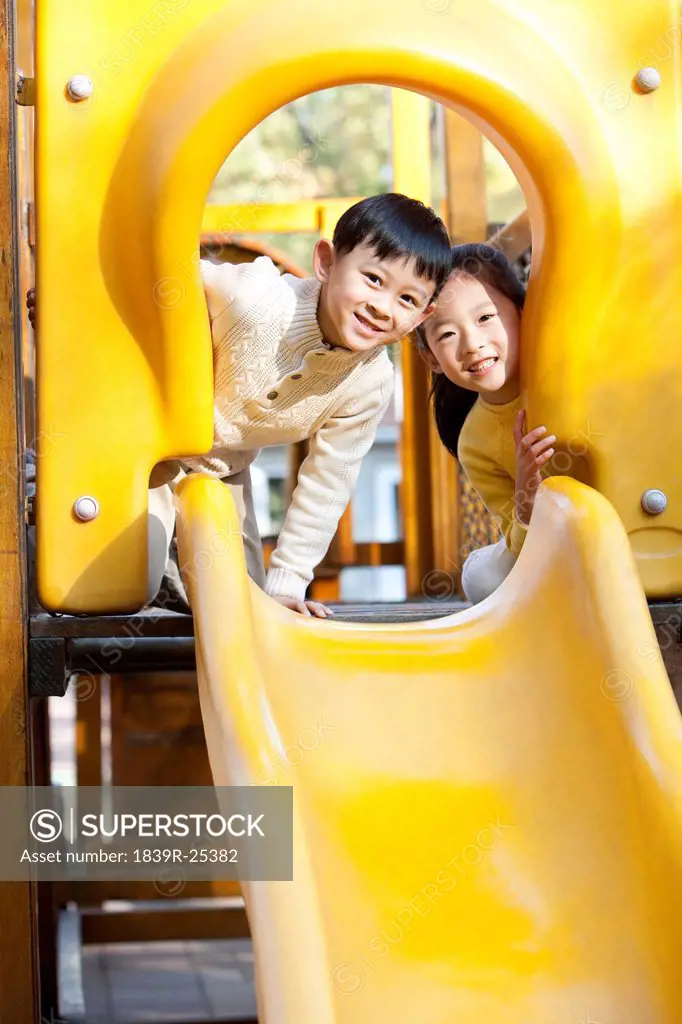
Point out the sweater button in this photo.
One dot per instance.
(296, 376)
(272, 396)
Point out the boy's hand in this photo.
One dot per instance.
(31, 306)
(532, 452)
(314, 608)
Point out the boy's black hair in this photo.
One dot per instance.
(397, 226)
(451, 403)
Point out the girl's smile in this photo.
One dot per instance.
(482, 367)
(473, 338)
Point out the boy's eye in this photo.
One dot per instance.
(409, 298)
(446, 335)
(488, 316)
(374, 278)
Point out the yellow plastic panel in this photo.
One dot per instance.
(124, 372)
(488, 807)
(305, 215)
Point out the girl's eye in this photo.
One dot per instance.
(373, 278)
(488, 316)
(448, 334)
(410, 299)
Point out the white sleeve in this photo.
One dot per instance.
(232, 288)
(325, 484)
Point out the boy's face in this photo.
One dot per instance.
(367, 302)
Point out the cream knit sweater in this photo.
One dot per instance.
(276, 382)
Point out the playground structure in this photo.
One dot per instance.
(122, 171)
(128, 202)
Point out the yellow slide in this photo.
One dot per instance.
(488, 806)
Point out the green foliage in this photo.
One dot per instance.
(337, 142)
(330, 143)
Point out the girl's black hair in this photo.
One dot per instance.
(452, 403)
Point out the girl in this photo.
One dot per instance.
(471, 344)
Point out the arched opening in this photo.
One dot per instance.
(282, 188)
(202, 104)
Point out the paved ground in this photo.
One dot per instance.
(154, 982)
(163, 982)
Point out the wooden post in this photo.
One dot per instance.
(465, 170)
(412, 176)
(416, 486)
(89, 733)
(467, 216)
(18, 961)
(47, 911)
(25, 205)
(514, 238)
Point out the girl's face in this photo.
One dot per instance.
(473, 338)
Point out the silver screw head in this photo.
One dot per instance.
(80, 87)
(648, 79)
(654, 501)
(86, 508)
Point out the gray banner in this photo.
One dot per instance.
(136, 833)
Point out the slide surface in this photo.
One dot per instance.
(488, 806)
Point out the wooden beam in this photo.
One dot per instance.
(380, 552)
(412, 176)
(467, 218)
(514, 238)
(245, 218)
(465, 171)
(93, 894)
(163, 925)
(445, 580)
(88, 691)
(46, 911)
(342, 548)
(415, 487)
(326, 587)
(26, 205)
(19, 1002)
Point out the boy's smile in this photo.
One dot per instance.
(367, 327)
(366, 301)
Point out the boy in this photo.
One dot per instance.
(296, 359)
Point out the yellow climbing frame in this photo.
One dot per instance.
(124, 356)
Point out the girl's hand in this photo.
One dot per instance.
(314, 608)
(532, 452)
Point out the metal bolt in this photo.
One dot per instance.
(648, 79)
(80, 87)
(654, 501)
(86, 508)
